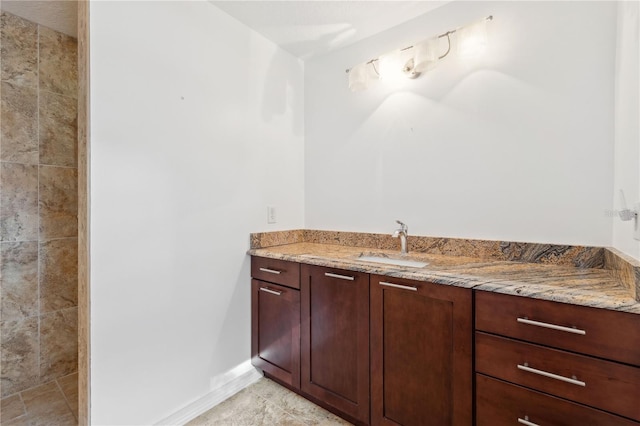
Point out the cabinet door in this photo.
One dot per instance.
(421, 353)
(335, 338)
(275, 334)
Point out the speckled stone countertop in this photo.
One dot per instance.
(596, 286)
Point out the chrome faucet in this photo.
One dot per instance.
(402, 233)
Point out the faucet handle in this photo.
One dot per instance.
(403, 227)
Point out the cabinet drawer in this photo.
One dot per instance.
(603, 384)
(598, 332)
(499, 403)
(276, 271)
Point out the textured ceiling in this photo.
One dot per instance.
(305, 28)
(59, 15)
(313, 27)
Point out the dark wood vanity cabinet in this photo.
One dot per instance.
(388, 351)
(374, 349)
(500, 403)
(335, 339)
(275, 319)
(540, 362)
(421, 353)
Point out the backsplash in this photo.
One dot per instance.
(624, 268)
(277, 238)
(627, 270)
(578, 256)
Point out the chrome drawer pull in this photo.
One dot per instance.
(403, 287)
(268, 290)
(271, 271)
(342, 277)
(525, 367)
(552, 326)
(526, 421)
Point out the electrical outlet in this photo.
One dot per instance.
(636, 230)
(271, 214)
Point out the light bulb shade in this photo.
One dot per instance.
(472, 39)
(396, 65)
(389, 65)
(362, 76)
(426, 54)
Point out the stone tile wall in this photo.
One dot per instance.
(38, 205)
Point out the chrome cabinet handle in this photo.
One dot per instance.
(403, 287)
(268, 290)
(271, 271)
(526, 421)
(551, 326)
(526, 367)
(342, 277)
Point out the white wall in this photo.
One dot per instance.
(627, 123)
(517, 145)
(196, 126)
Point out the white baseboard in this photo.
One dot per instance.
(223, 386)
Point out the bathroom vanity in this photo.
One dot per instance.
(546, 363)
(421, 352)
(461, 341)
(275, 319)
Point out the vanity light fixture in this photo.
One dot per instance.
(413, 60)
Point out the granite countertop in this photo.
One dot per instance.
(595, 287)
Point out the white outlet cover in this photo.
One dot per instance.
(636, 231)
(271, 214)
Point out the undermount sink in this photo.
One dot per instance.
(393, 261)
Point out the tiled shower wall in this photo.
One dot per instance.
(38, 205)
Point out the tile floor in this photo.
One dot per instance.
(51, 404)
(266, 403)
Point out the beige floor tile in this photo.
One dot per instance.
(284, 420)
(18, 421)
(268, 388)
(267, 403)
(306, 411)
(288, 420)
(69, 386)
(295, 405)
(334, 421)
(244, 409)
(10, 408)
(46, 406)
